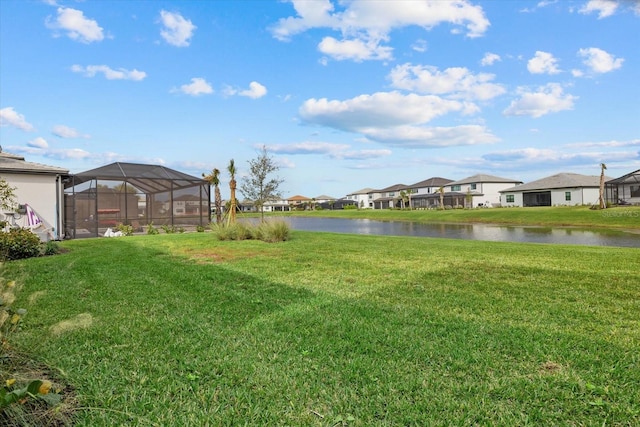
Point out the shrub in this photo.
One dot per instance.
(19, 243)
(200, 229)
(125, 229)
(151, 229)
(169, 229)
(51, 248)
(273, 231)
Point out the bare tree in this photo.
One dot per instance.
(258, 186)
(603, 167)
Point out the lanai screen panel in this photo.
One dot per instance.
(133, 194)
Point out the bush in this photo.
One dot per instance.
(272, 231)
(19, 243)
(51, 248)
(151, 229)
(125, 229)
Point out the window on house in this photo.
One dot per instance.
(567, 196)
(391, 194)
(511, 198)
(635, 190)
(473, 186)
(455, 188)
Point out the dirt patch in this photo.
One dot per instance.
(218, 255)
(550, 367)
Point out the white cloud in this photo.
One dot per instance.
(334, 151)
(600, 61)
(604, 8)
(420, 46)
(10, 117)
(76, 25)
(396, 119)
(255, 91)
(38, 142)
(605, 144)
(198, 86)
(547, 99)
(67, 132)
(489, 59)
(432, 137)
(177, 30)
(458, 82)
(543, 63)
(382, 109)
(364, 24)
(109, 73)
(354, 49)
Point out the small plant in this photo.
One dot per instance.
(151, 229)
(19, 243)
(200, 229)
(51, 248)
(169, 229)
(125, 229)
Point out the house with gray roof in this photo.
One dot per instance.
(424, 194)
(38, 186)
(481, 190)
(389, 197)
(562, 189)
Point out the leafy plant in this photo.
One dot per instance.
(169, 229)
(126, 229)
(19, 243)
(51, 248)
(151, 229)
(200, 228)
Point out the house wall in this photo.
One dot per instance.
(579, 196)
(488, 193)
(39, 192)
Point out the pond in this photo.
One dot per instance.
(502, 233)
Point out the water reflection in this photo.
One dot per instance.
(469, 231)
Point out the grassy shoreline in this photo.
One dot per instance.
(332, 329)
(621, 217)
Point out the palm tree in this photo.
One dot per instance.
(232, 187)
(603, 167)
(403, 198)
(214, 179)
(441, 191)
(409, 193)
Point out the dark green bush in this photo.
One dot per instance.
(19, 243)
(51, 248)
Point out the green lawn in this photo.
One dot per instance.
(574, 216)
(330, 329)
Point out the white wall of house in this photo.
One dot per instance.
(483, 193)
(577, 196)
(361, 200)
(42, 193)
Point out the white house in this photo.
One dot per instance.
(41, 188)
(424, 194)
(363, 199)
(483, 190)
(563, 189)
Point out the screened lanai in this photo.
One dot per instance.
(624, 190)
(133, 194)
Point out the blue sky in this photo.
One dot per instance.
(344, 94)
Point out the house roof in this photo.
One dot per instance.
(560, 180)
(325, 197)
(481, 177)
(298, 198)
(16, 164)
(435, 181)
(364, 191)
(396, 187)
(148, 178)
(630, 178)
